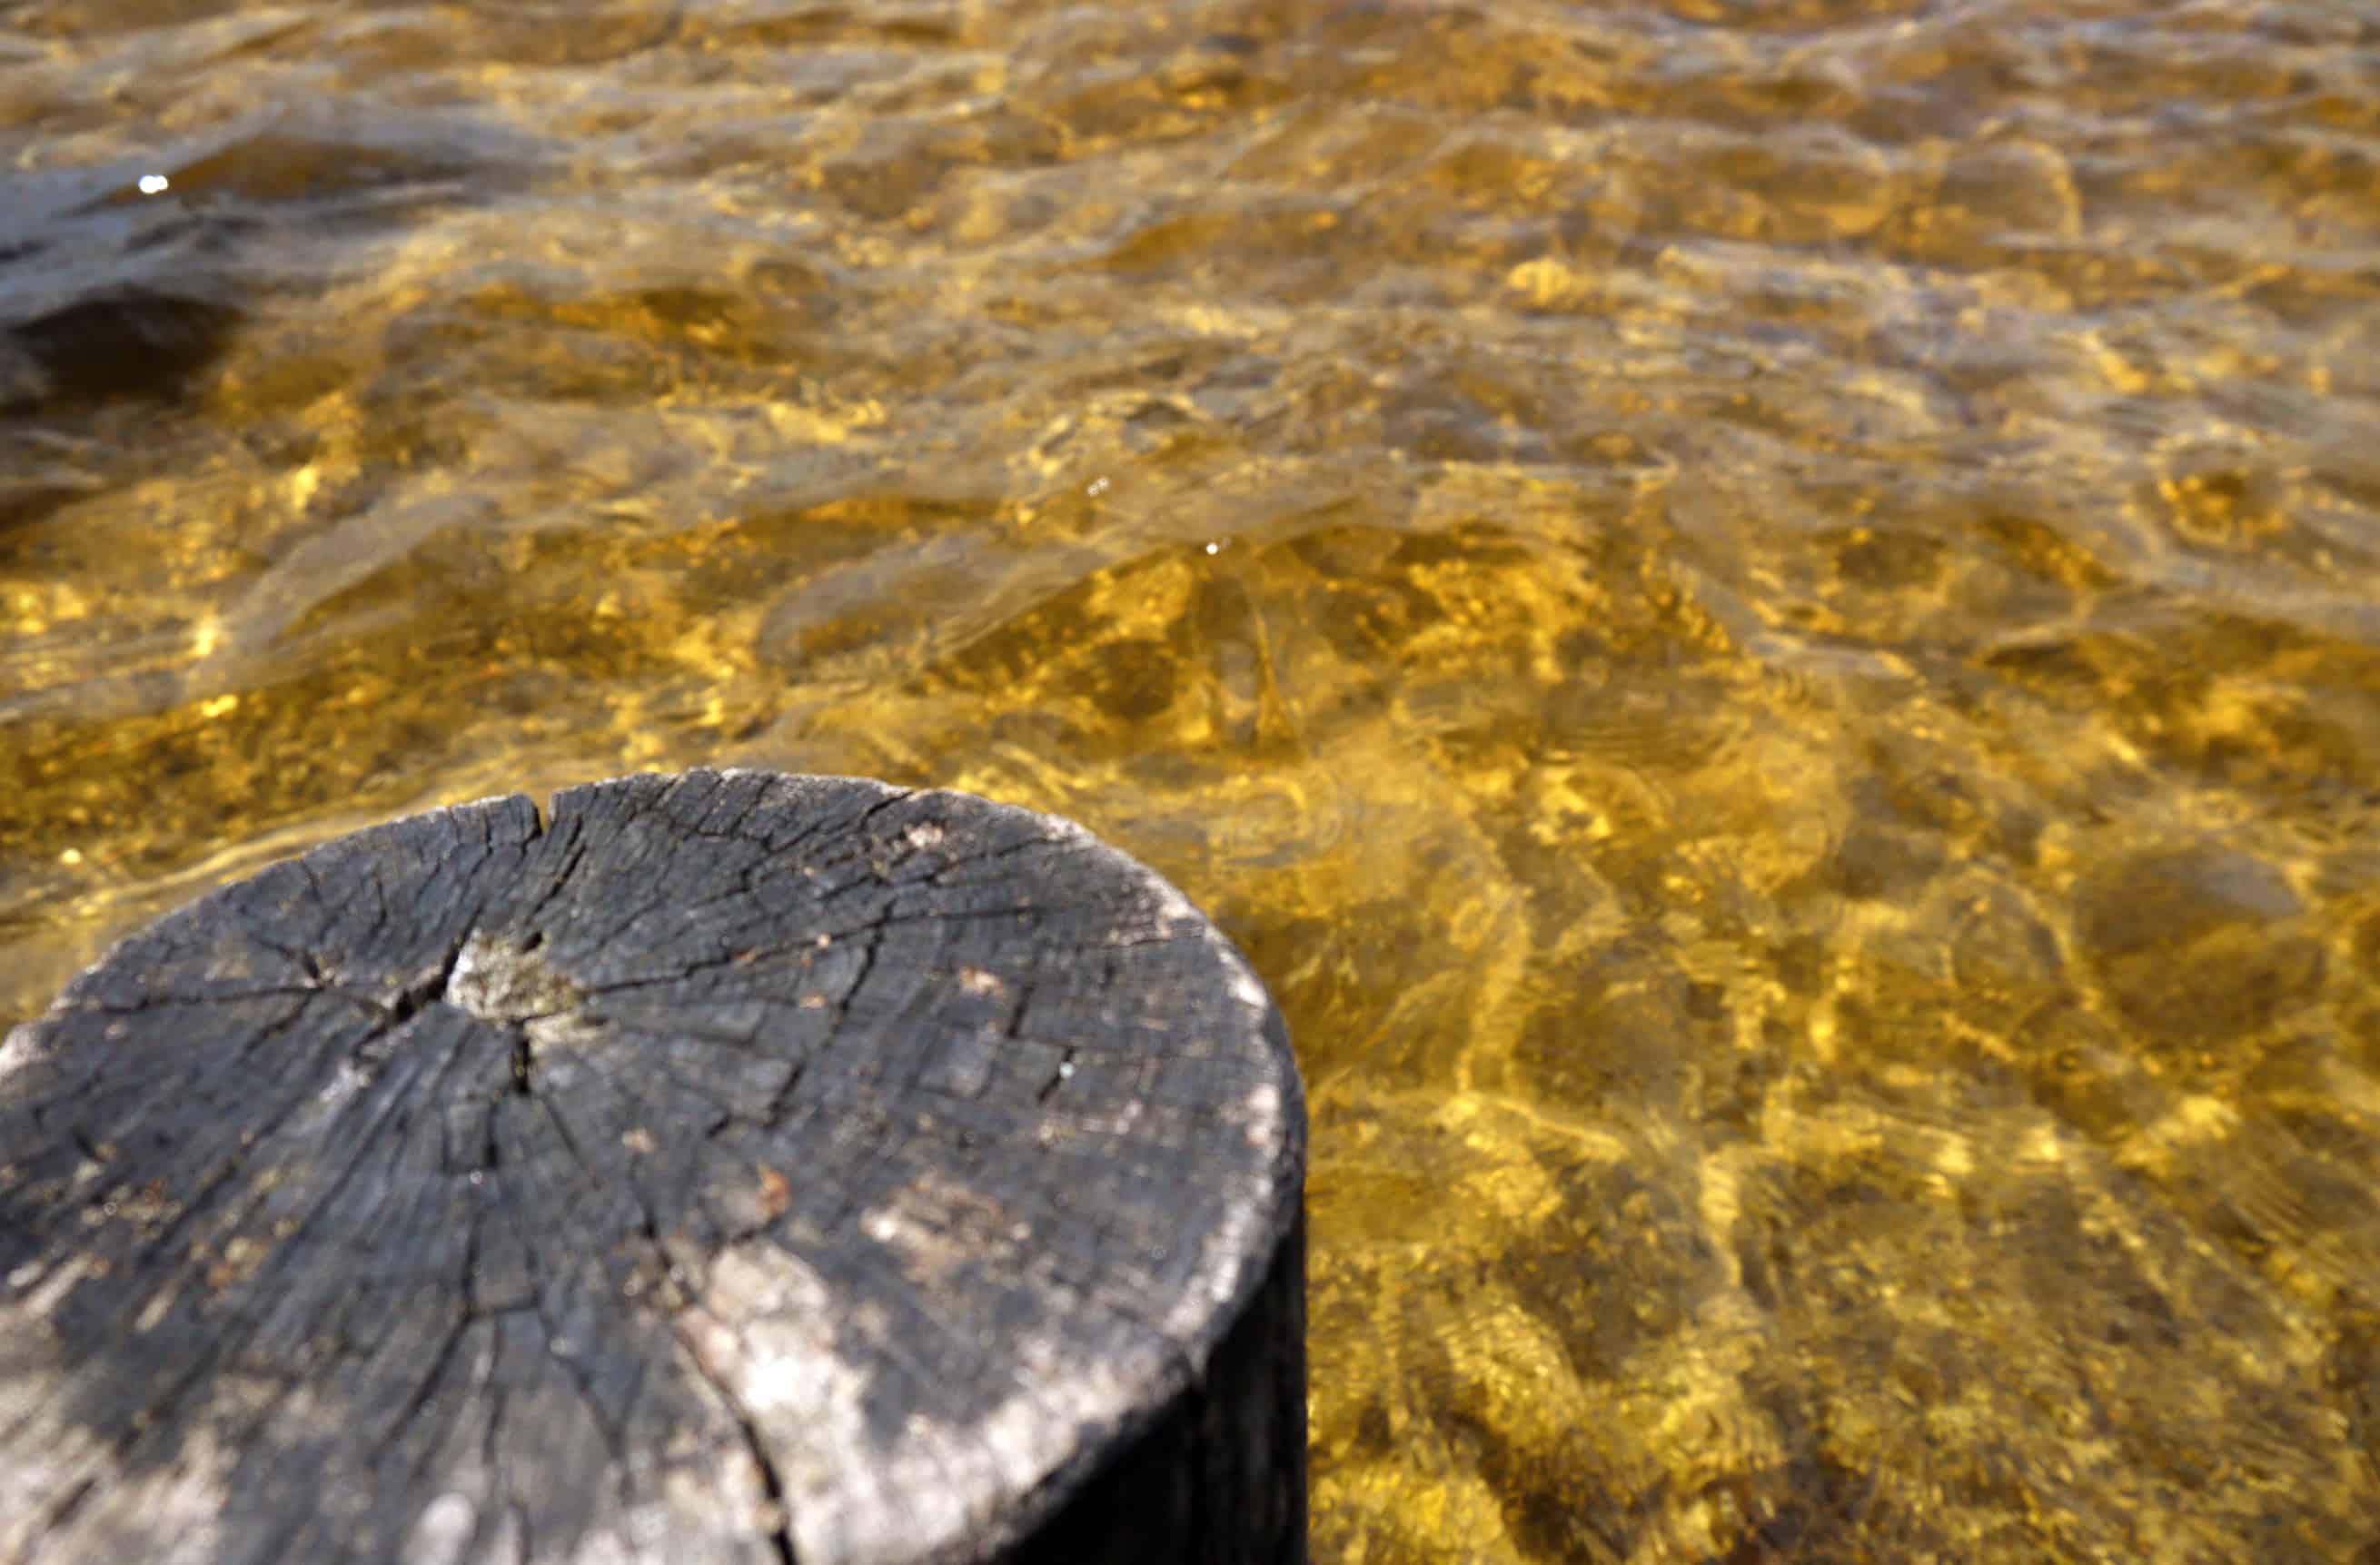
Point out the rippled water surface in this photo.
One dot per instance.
(1765, 618)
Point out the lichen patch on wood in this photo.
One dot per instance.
(505, 981)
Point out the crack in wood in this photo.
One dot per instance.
(738, 1223)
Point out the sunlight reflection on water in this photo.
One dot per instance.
(1761, 617)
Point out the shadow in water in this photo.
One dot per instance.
(109, 293)
(125, 283)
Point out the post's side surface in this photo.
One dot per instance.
(734, 1167)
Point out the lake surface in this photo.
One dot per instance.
(1765, 618)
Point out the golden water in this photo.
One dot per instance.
(1765, 616)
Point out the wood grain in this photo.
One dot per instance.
(734, 1167)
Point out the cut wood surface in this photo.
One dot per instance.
(734, 1167)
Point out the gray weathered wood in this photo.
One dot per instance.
(736, 1167)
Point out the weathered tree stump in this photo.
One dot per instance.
(736, 1167)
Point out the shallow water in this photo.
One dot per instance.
(1765, 617)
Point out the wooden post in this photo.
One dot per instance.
(735, 1166)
